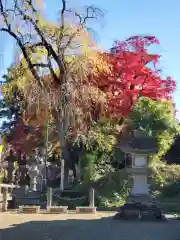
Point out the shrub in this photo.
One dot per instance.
(171, 189)
(165, 179)
(112, 189)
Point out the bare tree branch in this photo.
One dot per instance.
(5, 16)
(53, 74)
(19, 42)
(62, 13)
(43, 65)
(28, 60)
(30, 3)
(58, 57)
(49, 48)
(91, 13)
(61, 50)
(33, 46)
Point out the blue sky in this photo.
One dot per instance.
(125, 18)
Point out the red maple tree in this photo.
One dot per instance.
(133, 74)
(24, 137)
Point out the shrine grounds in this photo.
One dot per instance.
(71, 226)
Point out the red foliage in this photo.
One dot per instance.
(133, 74)
(23, 137)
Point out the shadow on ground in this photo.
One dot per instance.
(95, 229)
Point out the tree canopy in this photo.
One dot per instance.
(62, 77)
(156, 119)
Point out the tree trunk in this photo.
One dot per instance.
(74, 169)
(65, 155)
(61, 126)
(66, 174)
(78, 171)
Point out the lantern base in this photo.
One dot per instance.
(140, 207)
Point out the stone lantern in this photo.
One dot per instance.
(140, 203)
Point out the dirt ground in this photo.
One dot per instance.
(15, 226)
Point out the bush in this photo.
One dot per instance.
(165, 179)
(171, 189)
(112, 189)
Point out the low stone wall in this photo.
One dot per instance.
(57, 209)
(85, 209)
(29, 209)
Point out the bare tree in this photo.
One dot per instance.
(55, 61)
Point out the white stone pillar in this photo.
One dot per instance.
(139, 174)
(140, 185)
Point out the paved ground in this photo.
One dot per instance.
(83, 227)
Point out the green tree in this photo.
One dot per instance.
(12, 103)
(156, 119)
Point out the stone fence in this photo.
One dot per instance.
(5, 195)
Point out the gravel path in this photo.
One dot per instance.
(83, 227)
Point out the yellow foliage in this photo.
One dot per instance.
(1, 148)
(82, 58)
(36, 118)
(39, 4)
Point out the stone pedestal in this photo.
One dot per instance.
(140, 204)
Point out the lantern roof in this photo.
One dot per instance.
(139, 144)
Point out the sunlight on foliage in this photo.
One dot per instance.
(156, 119)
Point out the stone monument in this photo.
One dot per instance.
(140, 203)
(33, 172)
(29, 194)
(36, 171)
(22, 169)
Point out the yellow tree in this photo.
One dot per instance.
(55, 62)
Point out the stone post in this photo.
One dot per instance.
(91, 197)
(26, 190)
(10, 170)
(5, 200)
(62, 175)
(49, 197)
